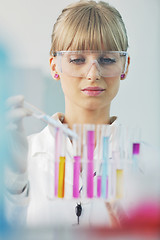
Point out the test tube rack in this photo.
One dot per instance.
(104, 158)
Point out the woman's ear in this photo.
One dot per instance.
(52, 63)
(123, 76)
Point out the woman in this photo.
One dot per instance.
(89, 55)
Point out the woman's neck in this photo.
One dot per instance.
(84, 116)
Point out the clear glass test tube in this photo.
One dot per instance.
(62, 160)
(118, 157)
(56, 162)
(118, 176)
(88, 148)
(99, 186)
(136, 136)
(119, 183)
(76, 160)
(105, 160)
(112, 178)
(99, 161)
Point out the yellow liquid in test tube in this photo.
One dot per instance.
(119, 183)
(61, 180)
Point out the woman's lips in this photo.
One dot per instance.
(92, 91)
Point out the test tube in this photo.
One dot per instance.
(84, 163)
(77, 160)
(62, 159)
(112, 178)
(99, 160)
(105, 161)
(57, 155)
(99, 186)
(119, 183)
(118, 155)
(89, 142)
(127, 162)
(135, 152)
(90, 164)
(135, 149)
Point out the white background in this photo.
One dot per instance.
(26, 27)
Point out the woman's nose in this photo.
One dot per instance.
(93, 72)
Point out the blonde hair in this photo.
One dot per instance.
(88, 25)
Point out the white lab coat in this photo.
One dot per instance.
(35, 205)
(42, 208)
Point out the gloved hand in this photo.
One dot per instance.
(17, 141)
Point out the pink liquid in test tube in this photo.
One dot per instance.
(107, 187)
(56, 178)
(76, 172)
(90, 152)
(99, 181)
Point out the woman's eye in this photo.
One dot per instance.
(104, 60)
(77, 60)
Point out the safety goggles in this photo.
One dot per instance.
(79, 63)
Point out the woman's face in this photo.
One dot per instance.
(92, 91)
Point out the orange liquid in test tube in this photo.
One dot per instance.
(61, 181)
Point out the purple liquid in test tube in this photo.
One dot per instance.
(136, 148)
(90, 153)
(99, 183)
(135, 154)
(76, 172)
